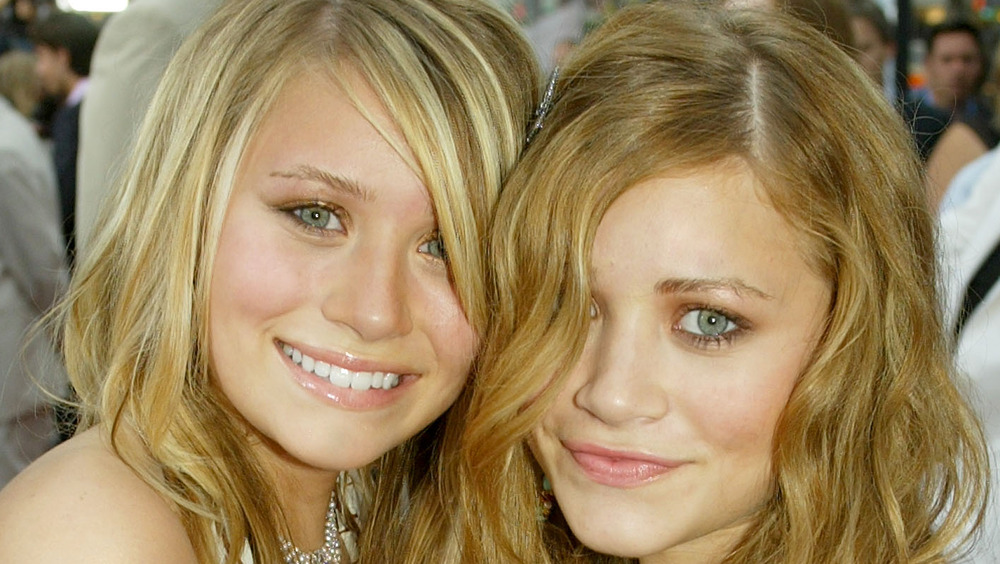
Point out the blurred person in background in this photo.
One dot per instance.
(132, 53)
(64, 44)
(32, 275)
(969, 242)
(16, 16)
(955, 68)
(874, 39)
(945, 145)
(19, 83)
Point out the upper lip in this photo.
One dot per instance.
(348, 361)
(618, 454)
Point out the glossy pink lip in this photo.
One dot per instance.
(618, 469)
(355, 400)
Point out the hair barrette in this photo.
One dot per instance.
(544, 107)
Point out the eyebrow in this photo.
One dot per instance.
(332, 181)
(734, 285)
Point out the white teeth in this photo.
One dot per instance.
(363, 381)
(341, 377)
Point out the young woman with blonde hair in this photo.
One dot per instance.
(716, 335)
(287, 285)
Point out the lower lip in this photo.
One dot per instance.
(359, 400)
(619, 472)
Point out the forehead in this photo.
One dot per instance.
(953, 42)
(716, 223)
(320, 127)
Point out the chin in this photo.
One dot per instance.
(605, 537)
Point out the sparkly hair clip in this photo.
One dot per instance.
(544, 107)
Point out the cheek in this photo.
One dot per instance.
(253, 277)
(452, 337)
(740, 418)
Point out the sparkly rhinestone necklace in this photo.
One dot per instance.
(330, 552)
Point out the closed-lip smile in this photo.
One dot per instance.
(616, 468)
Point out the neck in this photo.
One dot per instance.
(68, 84)
(305, 500)
(711, 548)
(303, 493)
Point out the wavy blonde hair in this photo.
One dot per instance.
(878, 457)
(460, 82)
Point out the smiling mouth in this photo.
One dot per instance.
(618, 469)
(339, 376)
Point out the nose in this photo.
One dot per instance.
(623, 378)
(369, 294)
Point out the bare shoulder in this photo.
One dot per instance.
(81, 503)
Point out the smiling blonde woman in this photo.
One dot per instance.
(285, 287)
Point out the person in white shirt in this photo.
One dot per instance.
(32, 276)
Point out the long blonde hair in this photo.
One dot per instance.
(457, 78)
(878, 457)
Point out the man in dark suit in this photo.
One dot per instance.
(64, 43)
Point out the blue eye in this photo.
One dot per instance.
(435, 247)
(707, 323)
(318, 217)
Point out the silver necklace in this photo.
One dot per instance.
(330, 552)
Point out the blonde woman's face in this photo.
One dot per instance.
(659, 445)
(334, 328)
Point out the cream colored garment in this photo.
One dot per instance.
(129, 59)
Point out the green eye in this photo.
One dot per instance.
(707, 323)
(317, 217)
(435, 248)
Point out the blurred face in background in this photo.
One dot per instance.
(53, 70)
(25, 10)
(872, 51)
(954, 66)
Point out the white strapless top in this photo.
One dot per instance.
(246, 557)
